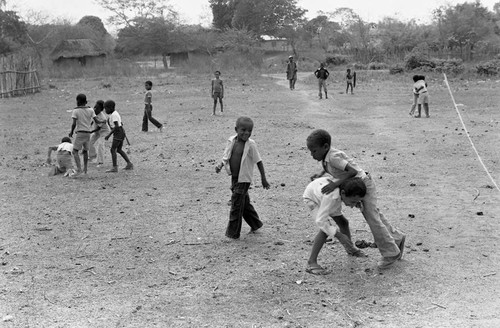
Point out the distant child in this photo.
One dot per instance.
(322, 74)
(118, 136)
(420, 87)
(350, 80)
(64, 157)
(82, 118)
(327, 210)
(100, 130)
(148, 109)
(291, 72)
(239, 159)
(217, 91)
(341, 167)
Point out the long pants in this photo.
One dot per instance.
(322, 84)
(148, 116)
(292, 82)
(241, 208)
(384, 234)
(97, 145)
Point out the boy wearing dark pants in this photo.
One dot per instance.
(239, 159)
(327, 211)
(118, 137)
(148, 109)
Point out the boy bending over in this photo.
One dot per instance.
(64, 158)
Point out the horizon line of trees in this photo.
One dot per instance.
(154, 28)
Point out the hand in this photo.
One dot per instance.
(315, 176)
(217, 169)
(106, 137)
(70, 135)
(360, 206)
(265, 184)
(328, 188)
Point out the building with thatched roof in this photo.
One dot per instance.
(78, 52)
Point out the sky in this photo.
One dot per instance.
(198, 11)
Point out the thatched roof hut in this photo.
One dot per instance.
(78, 51)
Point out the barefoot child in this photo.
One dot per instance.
(118, 137)
(217, 91)
(64, 158)
(341, 167)
(239, 159)
(97, 137)
(327, 210)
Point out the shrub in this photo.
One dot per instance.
(336, 60)
(377, 66)
(491, 67)
(418, 59)
(360, 66)
(452, 65)
(396, 69)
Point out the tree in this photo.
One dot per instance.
(12, 31)
(130, 12)
(222, 12)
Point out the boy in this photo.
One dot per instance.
(239, 158)
(328, 207)
(118, 137)
(322, 74)
(420, 87)
(82, 118)
(148, 109)
(217, 91)
(102, 129)
(64, 158)
(350, 80)
(291, 72)
(341, 167)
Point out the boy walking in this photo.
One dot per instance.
(291, 72)
(322, 74)
(82, 118)
(239, 159)
(148, 109)
(327, 210)
(341, 167)
(217, 91)
(118, 137)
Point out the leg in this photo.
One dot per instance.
(291, 84)
(77, 161)
(320, 95)
(250, 215)
(92, 148)
(85, 160)
(114, 146)
(151, 118)
(221, 105)
(414, 105)
(419, 107)
(318, 243)
(120, 151)
(233, 229)
(99, 146)
(343, 225)
(324, 88)
(426, 109)
(145, 119)
(215, 105)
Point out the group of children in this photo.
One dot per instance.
(91, 127)
(340, 181)
(322, 74)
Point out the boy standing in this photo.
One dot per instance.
(327, 208)
(148, 109)
(322, 74)
(82, 118)
(217, 91)
(64, 158)
(350, 80)
(291, 72)
(341, 167)
(101, 130)
(420, 87)
(239, 158)
(118, 137)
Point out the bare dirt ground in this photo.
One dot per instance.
(146, 248)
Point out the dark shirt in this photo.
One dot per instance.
(322, 73)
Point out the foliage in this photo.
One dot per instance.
(377, 66)
(452, 65)
(12, 32)
(396, 69)
(336, 60)
(418, 58)
(489, 68)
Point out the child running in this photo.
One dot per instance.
(82, 118)
(341, 167)
(239, 159)
(64, 158)
(118, 137)
(217, 92)
(322, 74)
(148, 109)
(327, 210)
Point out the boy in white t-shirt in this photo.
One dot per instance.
(118, 136)
(327, 211)
(64, 158)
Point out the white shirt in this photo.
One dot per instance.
(249, 158)
(115, 117)
(65, 146)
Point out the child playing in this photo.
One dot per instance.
(239, 158)
(341, 167)
(351, 81)
(148, 109)
(423, 96)
(64, 158)
(322, 74)
(217, 91)
(82, 118)
(118, 137)
(328, 207)
(415, 94)
(101, 130)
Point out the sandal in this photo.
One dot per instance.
(319, 271)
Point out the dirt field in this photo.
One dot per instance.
(146, 248)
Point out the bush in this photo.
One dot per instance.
(453, 65)
(396, 69)
(360, 66)
(377, 66)
(491, 67)
(418, 59)
(336, 60)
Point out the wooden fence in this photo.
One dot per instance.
(17, 77)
